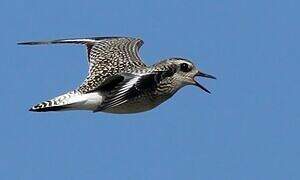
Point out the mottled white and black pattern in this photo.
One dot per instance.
(108, 57)
(118, 81)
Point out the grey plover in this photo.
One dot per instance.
(118, 81)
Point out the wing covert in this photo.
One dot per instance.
(110, 56)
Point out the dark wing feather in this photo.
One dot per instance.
(125, 86)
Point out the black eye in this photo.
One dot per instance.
(185, 67)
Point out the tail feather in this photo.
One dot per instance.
(41, 107)
(63, 102)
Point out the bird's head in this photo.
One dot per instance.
(185, 73)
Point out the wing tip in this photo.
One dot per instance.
(35, 42)
(26, 43)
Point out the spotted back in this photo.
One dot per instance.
(108, 57)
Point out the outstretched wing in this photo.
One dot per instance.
(107, 56)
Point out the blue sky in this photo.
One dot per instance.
(248, 128)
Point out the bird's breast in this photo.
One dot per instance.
(137, 105)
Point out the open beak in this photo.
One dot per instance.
(203, 75)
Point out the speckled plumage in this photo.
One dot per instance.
(108, 57)
(118, 81)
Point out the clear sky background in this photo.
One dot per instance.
(248, 128)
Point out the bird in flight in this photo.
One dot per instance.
(118, 81)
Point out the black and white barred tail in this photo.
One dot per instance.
(68, 101)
